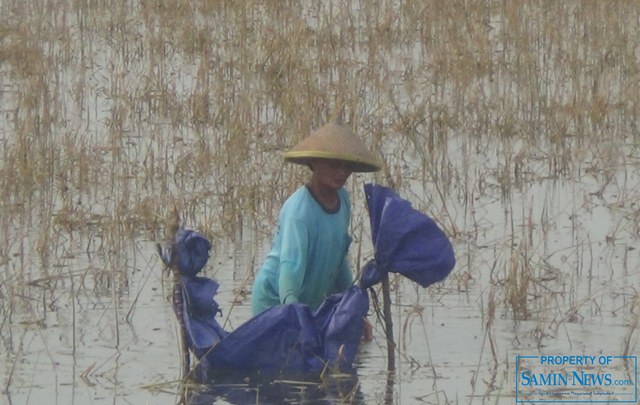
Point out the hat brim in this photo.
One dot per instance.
(357, 163)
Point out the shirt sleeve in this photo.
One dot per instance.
(293, 259)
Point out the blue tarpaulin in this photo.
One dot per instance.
(292, 337)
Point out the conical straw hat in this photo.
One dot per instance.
(334, 141)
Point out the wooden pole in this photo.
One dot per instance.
(388, 324)
(172, 227)
(386, 296)
(178, 307)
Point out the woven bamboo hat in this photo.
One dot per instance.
(334, 141)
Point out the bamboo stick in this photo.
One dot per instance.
(386, 294)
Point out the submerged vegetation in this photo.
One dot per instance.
(514, 125)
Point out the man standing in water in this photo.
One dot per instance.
(308, 259)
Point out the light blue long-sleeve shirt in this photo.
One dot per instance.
(308, 259)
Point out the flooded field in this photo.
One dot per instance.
(515, 126)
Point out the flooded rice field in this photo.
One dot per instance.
(514, 125)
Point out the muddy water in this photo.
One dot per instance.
(113, 113)
(79, 347)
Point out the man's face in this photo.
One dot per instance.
(331, 173)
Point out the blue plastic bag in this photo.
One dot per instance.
(405, 241)
(292, 338)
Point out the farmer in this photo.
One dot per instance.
(308, 258)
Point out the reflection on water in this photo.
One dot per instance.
(514, 126)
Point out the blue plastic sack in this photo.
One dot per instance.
(283, 338)
(199, 311)
(293, 338)
(189, 252)
(405, 241)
